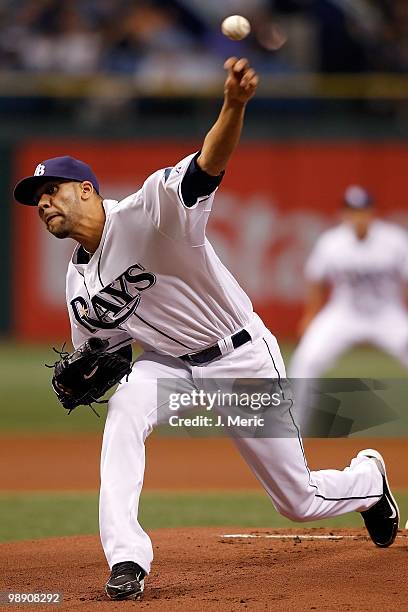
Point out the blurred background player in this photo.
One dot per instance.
(357, 275)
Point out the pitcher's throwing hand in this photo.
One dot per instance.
(242, 80)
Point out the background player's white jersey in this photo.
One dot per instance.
(364, 274)
(155, 277)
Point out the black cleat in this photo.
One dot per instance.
(382, 519)
(126, 581)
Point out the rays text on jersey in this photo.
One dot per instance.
(114, 303)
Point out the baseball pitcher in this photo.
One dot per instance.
(143, 270)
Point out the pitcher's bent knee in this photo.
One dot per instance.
(293, 514)
(299, 507)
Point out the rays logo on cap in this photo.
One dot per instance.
(40, 170)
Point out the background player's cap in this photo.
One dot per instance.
(357, 197)
(65, 167)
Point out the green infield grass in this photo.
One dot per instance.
(41, 515)
(28, 404)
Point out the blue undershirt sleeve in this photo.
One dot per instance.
(196, 183)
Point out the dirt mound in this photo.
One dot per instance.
(203, 569)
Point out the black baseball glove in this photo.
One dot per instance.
(84, 376)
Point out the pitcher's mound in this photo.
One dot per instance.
(227, 569)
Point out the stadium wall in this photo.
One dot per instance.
(275, 199)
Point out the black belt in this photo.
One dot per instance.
(213, 352)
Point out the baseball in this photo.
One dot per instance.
(235, 27)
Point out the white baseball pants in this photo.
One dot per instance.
(279, 463)
(337, 328)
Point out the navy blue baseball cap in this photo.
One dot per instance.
(64, 168)
(357, 197)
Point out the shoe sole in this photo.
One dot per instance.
(132, 596)
(370, 453)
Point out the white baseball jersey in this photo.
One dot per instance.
(155, 277)
(366, 305)
(364, 274)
